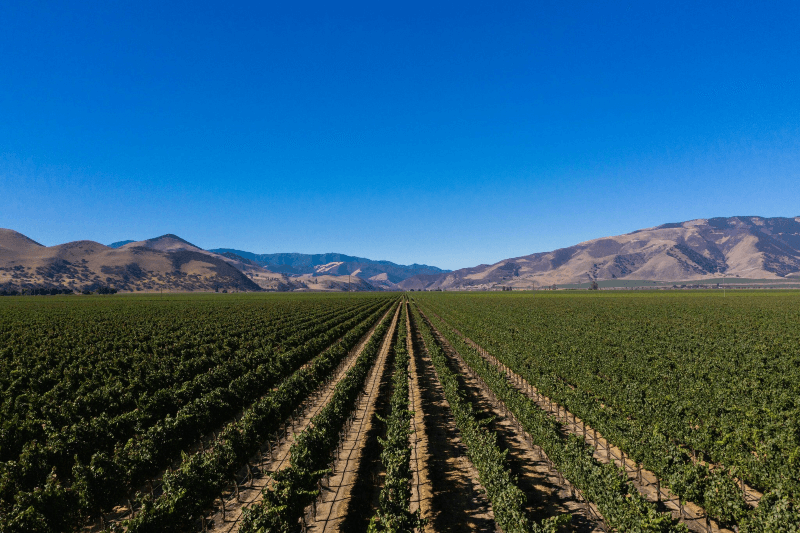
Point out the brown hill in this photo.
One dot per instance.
(88, 265)
(258, 274)
(747, 247)
(331, 283)
(165, 243)
(167, 263)
(11, 240)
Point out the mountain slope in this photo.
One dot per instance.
(14, 241)
(168, 242)
(167, 262)
(748, 247)
(335, 264)
(88, 265)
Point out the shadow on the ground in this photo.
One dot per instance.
(369, 475)
(546, 497)
(455, 504)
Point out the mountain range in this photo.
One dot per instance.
(334, 264)
(174, 264)
(749, 247)
(697, 250)
(88, 266)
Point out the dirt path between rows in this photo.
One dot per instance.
(334, 510)
(275, 454)
(645, 481)
(548, 493)
(457, 501)
(421, 489)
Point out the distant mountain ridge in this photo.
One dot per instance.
(330, 263)
(172, 263)
(702, 249)
(745, 246)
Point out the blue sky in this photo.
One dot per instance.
(450, 134)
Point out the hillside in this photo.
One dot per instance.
(697, 250)
(88, 265)
(383, 273)
(171, 263)
(747, 247)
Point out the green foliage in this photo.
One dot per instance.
(620, 504)
(393, 514)
(105, 394)
(202, 476)
(296, 487)
(676, 381)
(776, 513)
(508, 501)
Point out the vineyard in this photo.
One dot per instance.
(702, 393)
(381, 412)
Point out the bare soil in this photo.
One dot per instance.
(457, 500)
(421, 489)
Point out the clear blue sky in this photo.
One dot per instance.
(450, 134)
